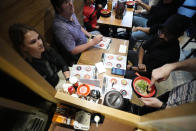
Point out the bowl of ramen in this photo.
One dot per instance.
(141, 87)
(105, 13)
(130, 4)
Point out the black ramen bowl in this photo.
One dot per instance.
(105, 13)
(130, 4)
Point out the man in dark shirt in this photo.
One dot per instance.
(161, 49)
(153, 54)
(158, 14)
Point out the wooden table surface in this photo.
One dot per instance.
(126, 22)
(93, 56)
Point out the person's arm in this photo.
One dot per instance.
(141, 55)
(141, 66)
(83, 47)
(152, 102)
(86, 32)
(144, 29)
(140, 11)
(143, 5)
(162, 73)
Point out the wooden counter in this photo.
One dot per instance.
(93, 55)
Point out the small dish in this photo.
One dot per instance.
(130, 4)
(83, 90)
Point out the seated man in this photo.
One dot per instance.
(68, 32)
(158, 14)
(160, 49)
(185, 93)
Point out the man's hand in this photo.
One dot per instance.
(151, 102)
(138, 2)
(142, 67)
(138, 11)
(100, 6)
(129, 67)
(136, 29)
(161, 73)
(144, 29)
(97, 39)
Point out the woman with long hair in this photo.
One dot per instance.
(32, 47)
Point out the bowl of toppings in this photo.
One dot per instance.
(141, 87)
(130, 4)
(83, 90)
(105, 13)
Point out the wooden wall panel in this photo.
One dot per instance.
(78, 5)
(31, 12)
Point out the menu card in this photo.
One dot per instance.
(124, 86)
(104, 44)
(116, 61)
(84, 72)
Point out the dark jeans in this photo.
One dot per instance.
(133, 57)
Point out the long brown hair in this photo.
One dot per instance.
(17, 35)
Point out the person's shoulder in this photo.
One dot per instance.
(57, 21)
(59, 24)
(74, 16)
